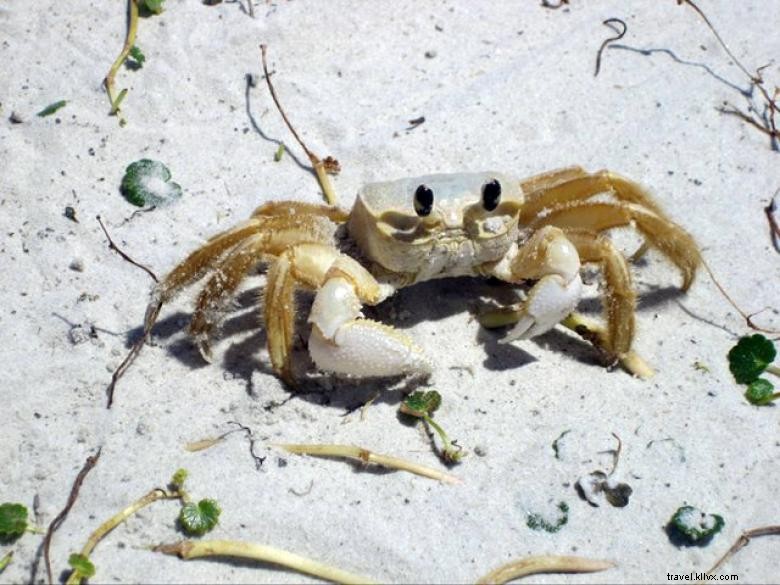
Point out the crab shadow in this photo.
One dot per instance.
(432, 301)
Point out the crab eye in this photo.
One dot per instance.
(423, 201)
(491, 195)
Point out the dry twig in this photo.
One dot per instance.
(774, 228)
(743, 541)
(366, 456)
(115, 248)
(765, 123)
(543, 564)
(321, 167)
(60, 518)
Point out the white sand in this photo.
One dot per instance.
(510, 87)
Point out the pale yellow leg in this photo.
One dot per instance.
(574, 184)
(669, 238)
(309, 265)
(619, 296)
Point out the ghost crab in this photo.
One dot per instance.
(538, 230)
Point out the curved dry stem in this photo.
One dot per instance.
(116, 520)
(366, 456)
(132, 29)
(248, 550)
(543, 564)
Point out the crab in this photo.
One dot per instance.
(537, 231)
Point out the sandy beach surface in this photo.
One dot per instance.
(506, 86)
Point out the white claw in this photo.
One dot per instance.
(344, 343)
(365, 348)
(550, 301)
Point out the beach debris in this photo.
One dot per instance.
(542, 564)
(51, 108)
(748, 359)
(136, 59)
(70, 213)
(13, 521)
(556, 444)
(82, 567)
(279, 153)
(148, 182)
(261, 553)
(537, 521)
(743, 541)
(6, 560)
(129, 49)
(194, 519)
(597, 483)
(692, 526)
(610, 22)
(322, 167)
(198, 519)
(365, 456)
(422, 405)
(55, 524)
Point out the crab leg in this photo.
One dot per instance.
(574, 184)
(619, 297)
(341, 340)
(550, 259)
(670, 239)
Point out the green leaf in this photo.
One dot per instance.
(279, 153)
(198, 519)
(136, 59)
(51, 108)
(750, 357)
(178, 479)
(694, 526)
(153, 6)
(147, 182)
(13, 521)
(419, 404)
(760, 392)
(82, 565)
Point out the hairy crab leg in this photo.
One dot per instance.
(669, 238)
(574, 184)
(619, 296)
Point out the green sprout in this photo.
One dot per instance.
(536, 521)
(761, 392)
(51, 108)
(422, 405)
(750, 358)
(6, 560)
(136, 58)
(198, 519)
(153, 6)
(13, 521)
(178, 479)
(82, 566)
(693, 526)
(135, 7)
(147, 182)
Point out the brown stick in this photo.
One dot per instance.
(60, 518)
(774, 228)
(115, 248)
(743, 541)
(321, 167)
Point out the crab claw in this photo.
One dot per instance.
(344, 343)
